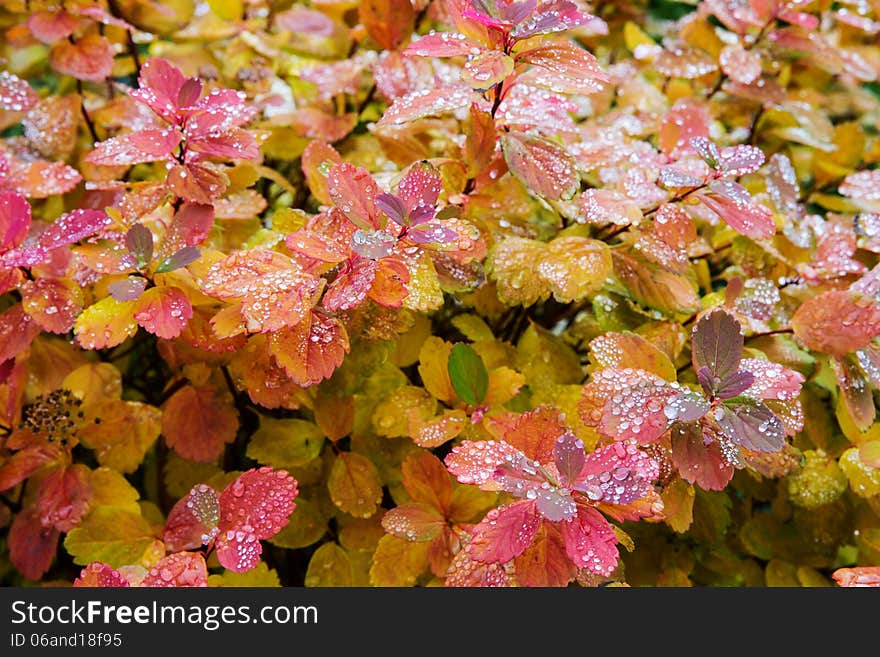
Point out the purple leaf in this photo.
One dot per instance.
(139, 241)
(178, 259)
(718, 346)
(568, 454)
(391, 206)
(129, 289)
(733, 385)
(752, 425)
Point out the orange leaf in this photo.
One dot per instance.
(198, 421)
(311, 350)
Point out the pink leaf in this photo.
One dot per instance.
(137, 147)
(862, 185)
(50, 26)
(739, 64)
(15, 219)
(590, 542)
(418, 191)
(617, 474)
(739, 160)
(64, 497)
(733, 204)
(159, 86)
(553, 16)
(412, 521)
(261, 499)
(442, 44)
(426, 102)
(860, 576)
(565, 68)
(72, 227)
(683, 122)
(543, 166)
(31, 546)
(100, 575)
(16, 94)
(476, 462)
(505, 533)
(772, 380)
(183, 569)
(351, 287)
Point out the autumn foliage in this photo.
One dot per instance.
(439, 292)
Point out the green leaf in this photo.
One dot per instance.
(468, 374)
(111, 535)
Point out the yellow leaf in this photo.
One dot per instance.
(94, 382)
(434, 369)
(633, 36)
(575, 267)
(504, 384)
(473, 327)
(285, 443)
(438, 430)
(512, 266)
(619, 350)
(360, 534)
(424, 290)
(545, 359)
(306, 526)
(261, 576)
(111, 489)
(409, 344)
(391, 417)
(397, 562)
(329, 566)
(121, 432)
(111, 535)
(180, 475)
(678, 505)
(334, 415)
(863, 479)
(105, 324)
(354, 485)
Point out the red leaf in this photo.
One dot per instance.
(22, 464)
(194, 520)
(183, 569)
(590, 542)
(189, 227)
(197, 423)
(543, 167)
(699, 461)
(163, 311)
(64, 497)
(311, 350)
(425, 102)
(418, 191)
(17, 331)
(137, 147)
(100, 575)
(31, 546)
(42, 179)
(90, 58)
(534, 433)
(505, 533)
